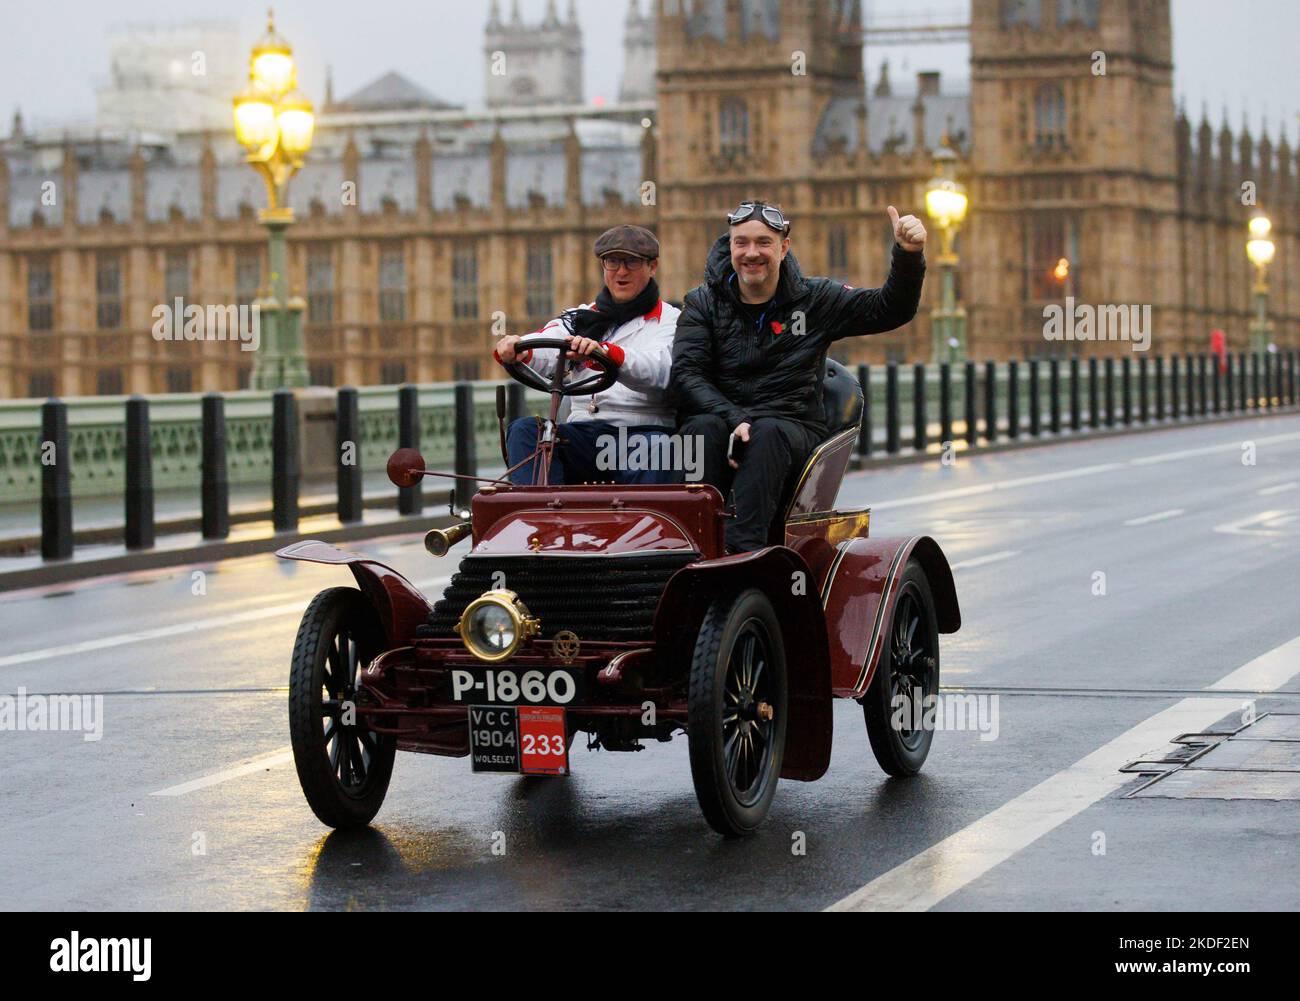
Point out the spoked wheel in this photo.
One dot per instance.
(737, 712)
(906, 683)
(343, 767)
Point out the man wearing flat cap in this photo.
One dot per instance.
(635, 328)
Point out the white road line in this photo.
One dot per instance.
(944, 868)
(1280, 488)
(1266, 523)
(979, 561)
(1069, 474)
(179, 629)
(258, 764)
(1147, 519)
(1266, 673)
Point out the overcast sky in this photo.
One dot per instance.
(1241, 55)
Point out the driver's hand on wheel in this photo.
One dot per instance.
(581, 346)
(505, 350)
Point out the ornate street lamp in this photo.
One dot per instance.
(275, 122)
(946, 204)
(1260, 250)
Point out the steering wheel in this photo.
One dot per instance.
(588, 385)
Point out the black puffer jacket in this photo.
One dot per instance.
(723, 365)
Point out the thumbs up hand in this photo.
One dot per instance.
(908, 231)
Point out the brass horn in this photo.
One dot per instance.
(440, 540)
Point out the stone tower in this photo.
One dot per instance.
(1074, 157)
(639, 57)
(744, 84)
(531, 65)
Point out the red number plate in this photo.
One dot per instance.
(543, 741)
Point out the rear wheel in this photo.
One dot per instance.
(906, 683)
(343, 767)
(737, 712)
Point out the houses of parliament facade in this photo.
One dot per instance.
(422, 227)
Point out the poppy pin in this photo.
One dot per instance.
(777, 328)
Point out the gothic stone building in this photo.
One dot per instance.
(422, 226)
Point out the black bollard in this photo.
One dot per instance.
(285, 468)
(410, 500)
(990, 401)
(56, 482)
(1076, 407)
(1160, 387)
(1173, 387)
(1243, 382)
(214, 485)
(1254, 381)
(1144, 396)
(139, 475)
(1216, 383)
(1126, 389)
(348, 456)
(970, 404)
(1229, 397)
(516, 402)
(1013, 399)
(1291, 376)
(1266, 362)
(864, 431)
(891, 408)
(1094, 395)
(919, 438)
(945, 403)
(466, 455)
(1035, 401)
(1110, 392)
(1203, 377)
(1054, 388)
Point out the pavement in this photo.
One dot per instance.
(1116, 594)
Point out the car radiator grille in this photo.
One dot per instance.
(598, 597)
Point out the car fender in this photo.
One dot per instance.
(776, 571)
(399, 604)
(858, 598)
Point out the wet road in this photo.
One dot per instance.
(188, 798)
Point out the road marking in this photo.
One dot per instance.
(258, 764)
(1069, 474)
(1280, 488)
(1266, 523)
(944, 868)
(179, 629)
(1147, 519)
(980, 561)
(1267, 672)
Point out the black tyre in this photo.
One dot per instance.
(343, 767)
(737, 712)
(906, 682)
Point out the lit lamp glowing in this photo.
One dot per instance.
(275, 123)
(946, 204)
(1261, 250)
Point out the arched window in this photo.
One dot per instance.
(1028, 12)
(1084, 12)
(734, 127)
(1049, 117)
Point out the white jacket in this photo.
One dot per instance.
(640, 396)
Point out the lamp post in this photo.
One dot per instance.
(274, 122)
(946, 203)
(1260, 250)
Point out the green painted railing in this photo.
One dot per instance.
(96, 434)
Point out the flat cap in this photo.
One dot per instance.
(628, 240)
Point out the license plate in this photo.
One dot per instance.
(525, 740)
(556, 686)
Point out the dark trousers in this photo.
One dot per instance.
(777, 450)
(575, 458)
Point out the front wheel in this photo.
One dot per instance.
(344, 768)
(737, 712)
(900, 702)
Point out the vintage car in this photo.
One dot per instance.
(613, 612)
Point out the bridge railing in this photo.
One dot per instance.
(59, 450)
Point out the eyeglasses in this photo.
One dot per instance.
(613, 263)
(769, 215)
